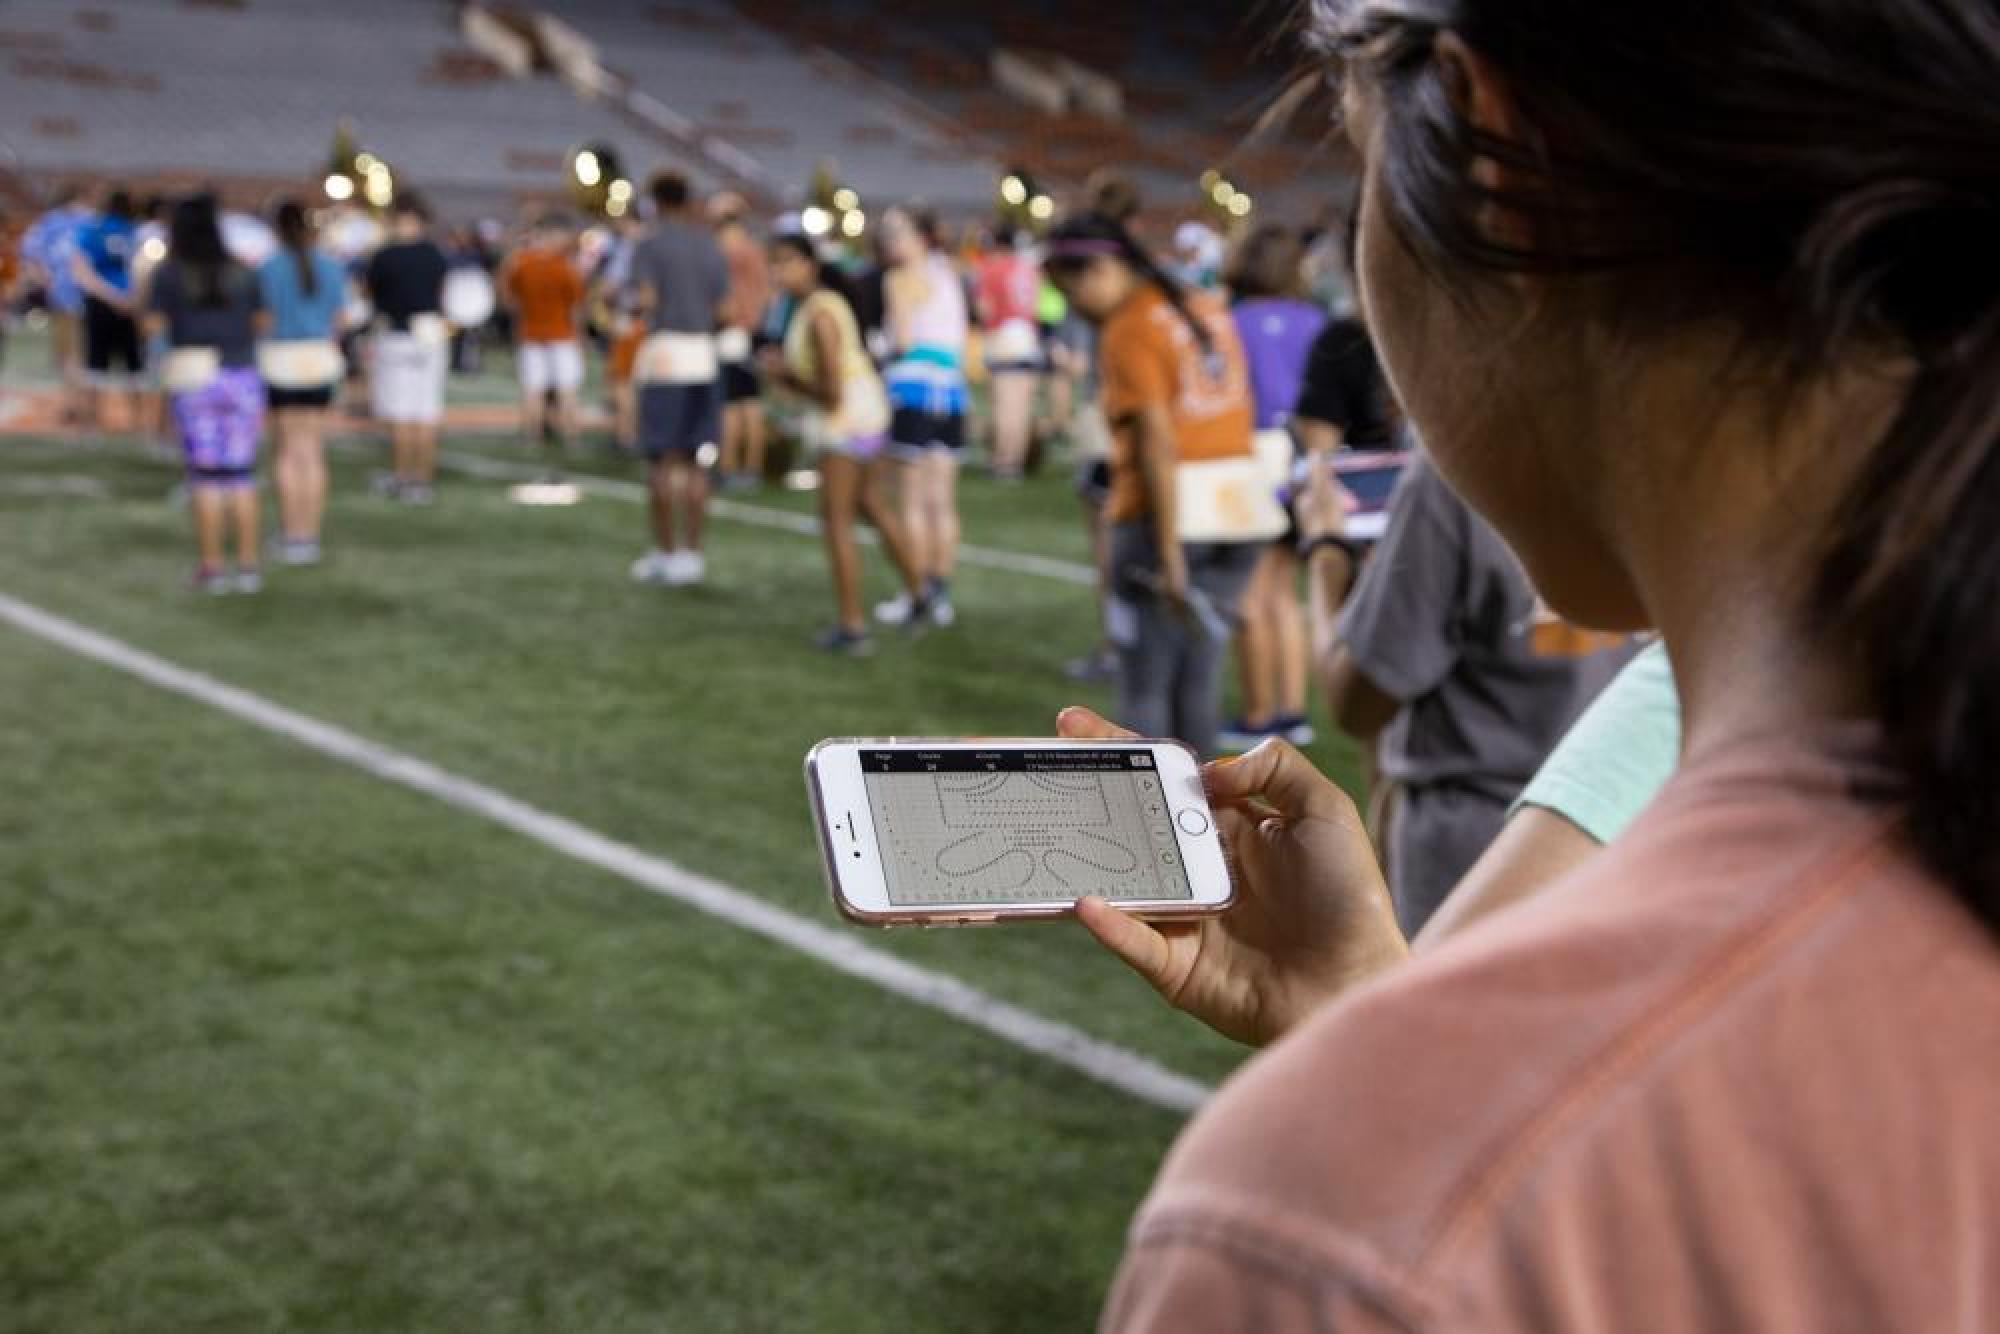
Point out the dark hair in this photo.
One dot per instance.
(118, 204)
(295, 232)
(1112, 195)
(925, 222)
(1820, 175)
(1270, 262)
(410, 204)
(194, 239)
(670, 190)
(1075, 242)
(830, 276)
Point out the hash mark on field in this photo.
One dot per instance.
(1115, 1066)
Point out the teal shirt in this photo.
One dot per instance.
(294, 314)
(1619, 755)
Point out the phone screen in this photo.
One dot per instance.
(1022, 826)
(1372, 481)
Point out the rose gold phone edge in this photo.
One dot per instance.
(829, 862)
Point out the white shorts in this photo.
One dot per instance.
(407, 379)
(546, 366)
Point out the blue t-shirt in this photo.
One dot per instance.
(294, 314)
(49, 246)
(109, 244)
(1278, 336)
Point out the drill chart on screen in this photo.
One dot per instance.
(1016, 826)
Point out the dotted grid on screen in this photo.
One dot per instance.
(1025, 837)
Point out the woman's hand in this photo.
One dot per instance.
(1312, 914)
(1321, 508)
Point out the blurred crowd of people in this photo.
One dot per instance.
(1219, 402)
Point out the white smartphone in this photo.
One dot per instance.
(963, 833)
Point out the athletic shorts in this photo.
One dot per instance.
(677, 420)
(319, 397)
(740, 383)
(546, 366)
(220, 425)
(914, 433)
(624, 352)
(110, 339)
(407, 379)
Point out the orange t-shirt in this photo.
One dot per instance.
(546, 290)
(1148, 355)
(749, 280)
(1736, 1073)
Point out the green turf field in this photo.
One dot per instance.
(287, 1047)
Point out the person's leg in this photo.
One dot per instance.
(308, 445)
(569, 420)
(691, 485)
(751, 411)
(731, 461)
(1255, 649)
(874, 503)
(941, 470)
(1291, 648)
(243, 509)
(1147, 637)
(905, 475)
(625, 415)
(424, 452)
(1220, 573)
(399, 450)
(534, 396)
(285, 475)
(660, 503)
(207, 501)
(840, 492)
(1013, 420)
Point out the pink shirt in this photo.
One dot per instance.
(1741, 1072)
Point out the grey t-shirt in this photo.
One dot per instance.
(684, 266)
(224, 319)
(1443, 619)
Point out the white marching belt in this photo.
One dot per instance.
(188, 369)
(1274, 449)
(468, 297)
(430, 328)
(1014, 341)
(300, 363)
(732, 346)
(677, 358)
(1227, 500)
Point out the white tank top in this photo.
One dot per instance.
(939, 321)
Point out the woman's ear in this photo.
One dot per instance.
(1482, 95)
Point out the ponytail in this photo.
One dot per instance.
(295, 232)
(1911, 577)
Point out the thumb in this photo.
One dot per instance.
(1080, 724)
(1132, 940)
(1280, 775)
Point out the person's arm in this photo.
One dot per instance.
(85, 274)
(1536, 848)
(826, 361)
(1360, 707)
(1158, 456)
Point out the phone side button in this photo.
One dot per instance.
(1193, 823)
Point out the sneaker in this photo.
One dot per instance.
(898, 610)
(298, 551)
(213, 582)
(845, 643)
(1098, 667)
(1240, 737)
(386, 485)
(653, 567)
(685, 569)
(1295, 729)
(247, 581)
(416, 493)
(943, 614)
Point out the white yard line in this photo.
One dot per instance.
(762, 516)
(839, 948)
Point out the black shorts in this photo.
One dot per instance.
(914, 432)
(321, 397)
(110, 336)
(678, 419)
(740, 383)
(1093, 482)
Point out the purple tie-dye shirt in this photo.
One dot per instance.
(1277, 335)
